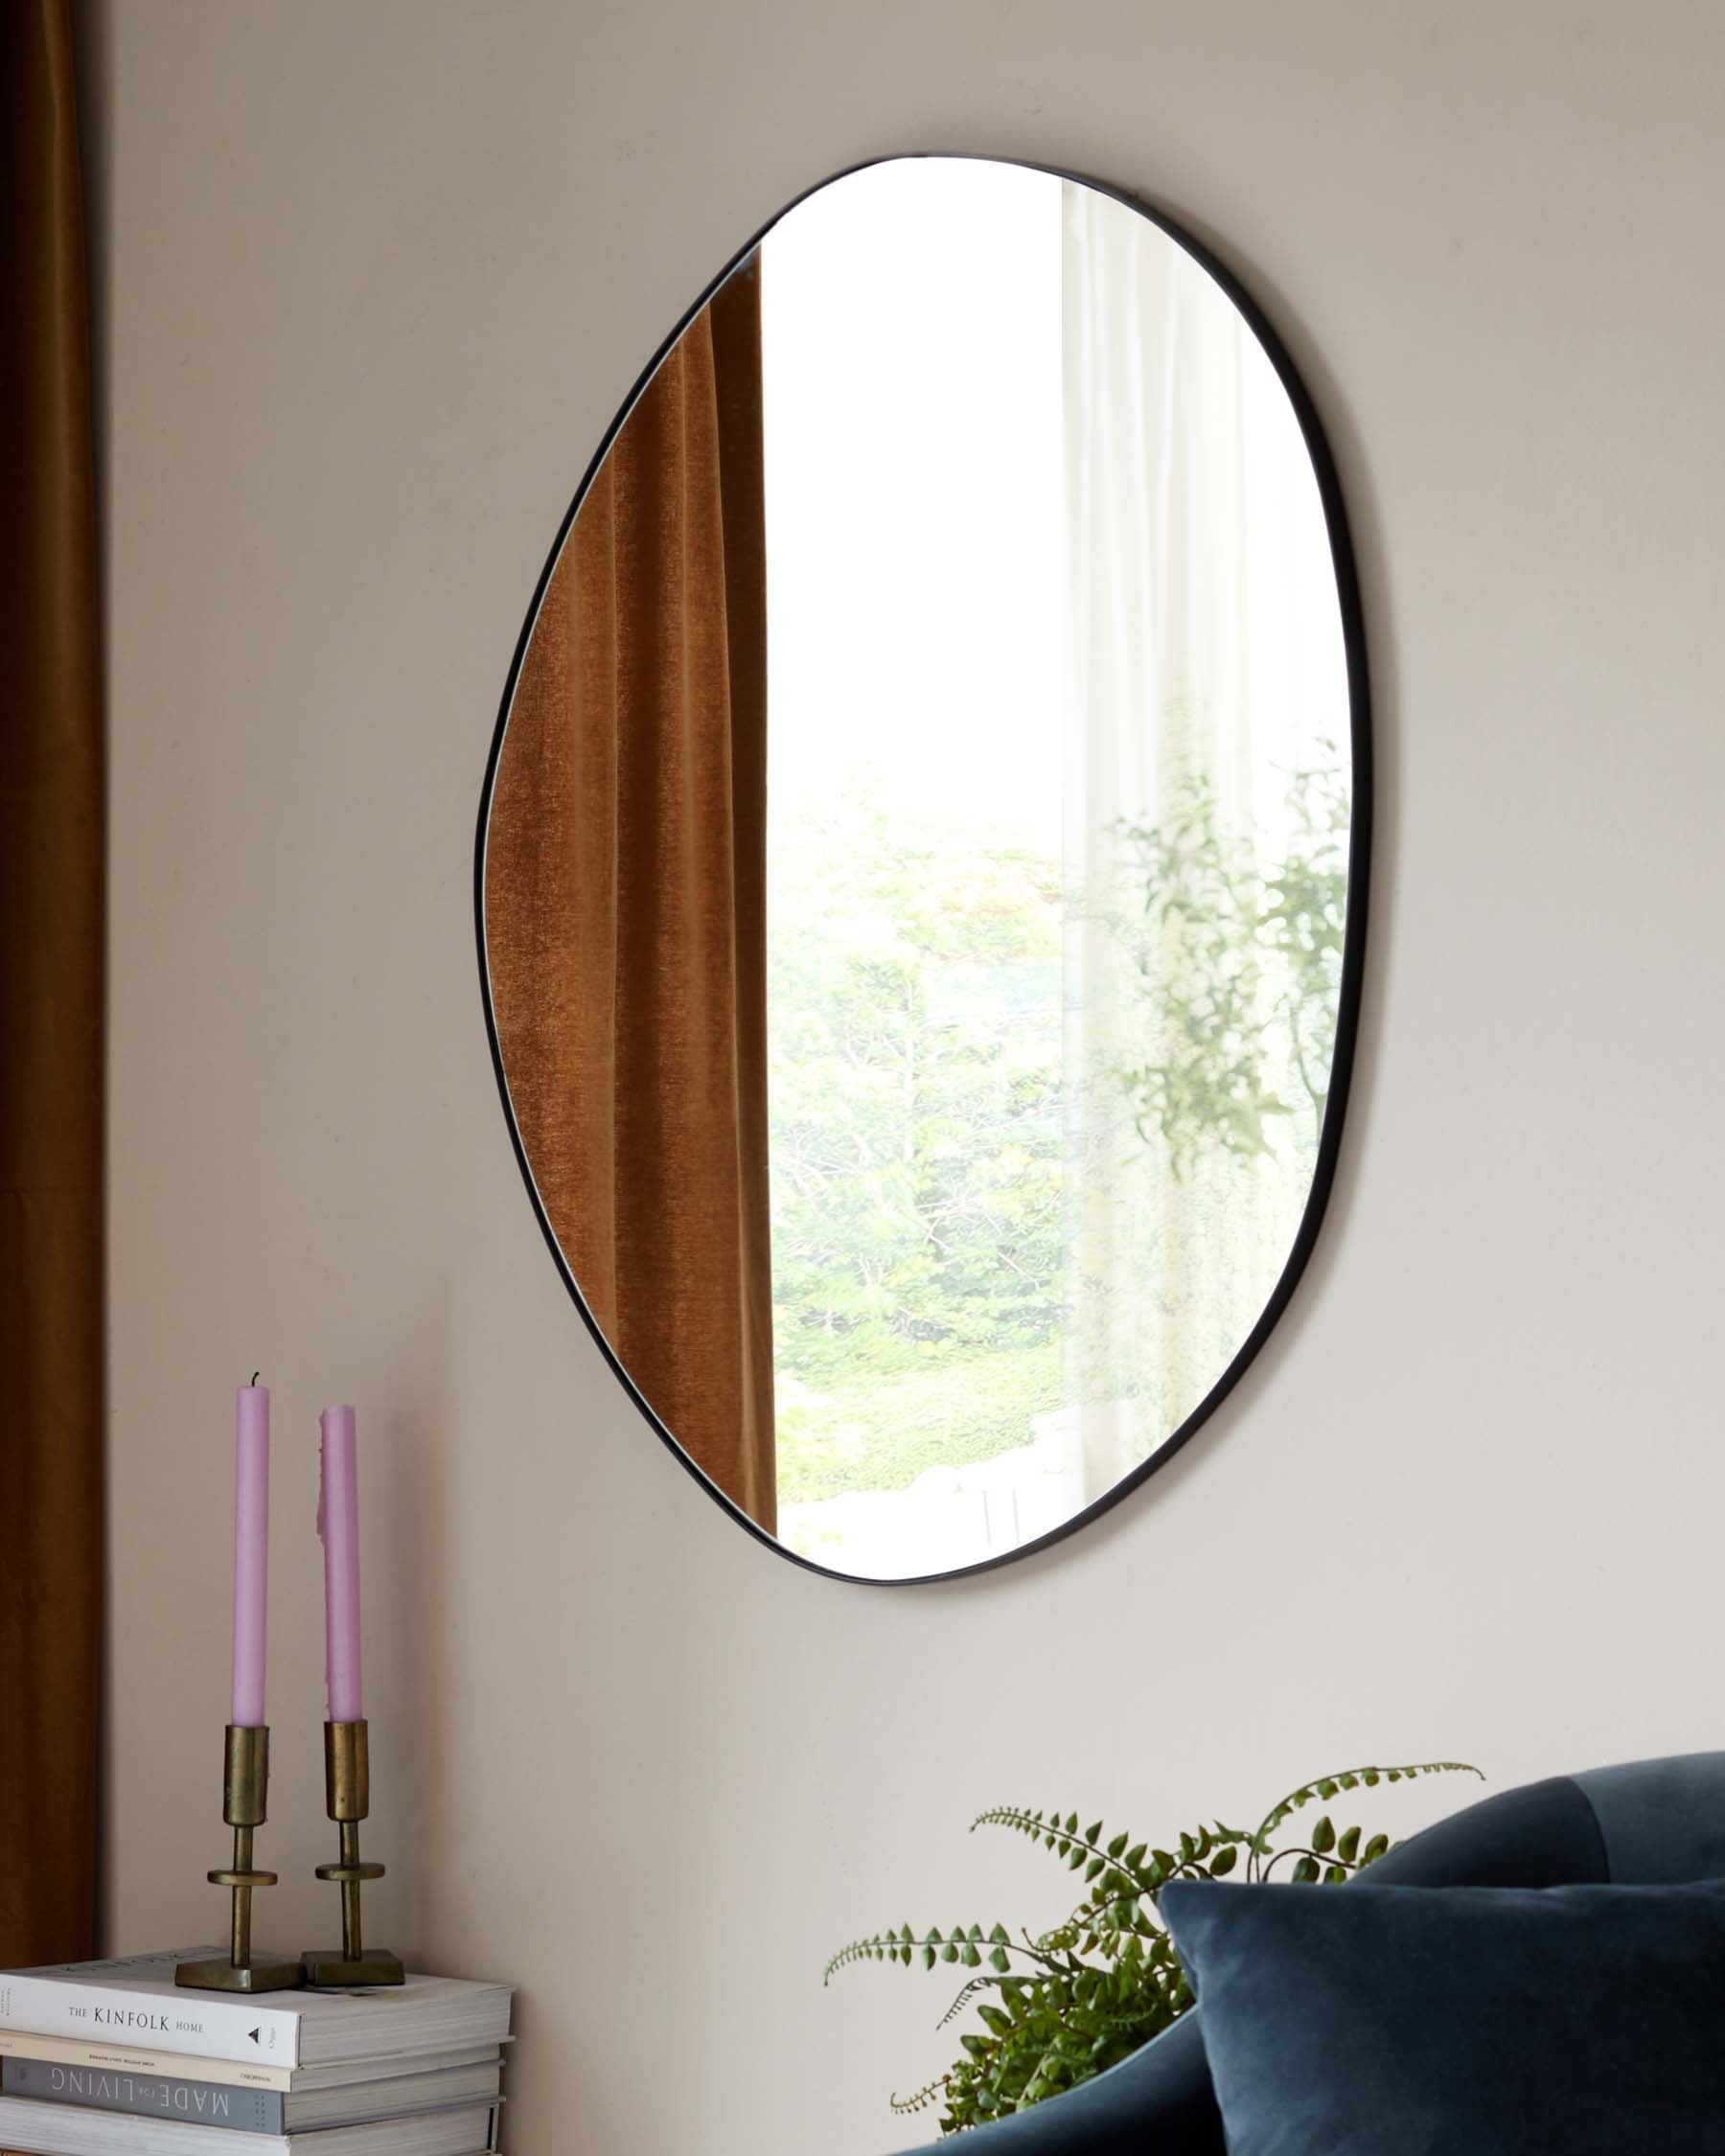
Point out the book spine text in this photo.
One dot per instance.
(101, 2088)
(193, 2023)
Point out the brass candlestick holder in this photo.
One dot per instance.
(347, 1790)
(244, 1806)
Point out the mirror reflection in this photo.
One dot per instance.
(916, 880)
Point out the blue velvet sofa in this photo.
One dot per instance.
(1653, 1823)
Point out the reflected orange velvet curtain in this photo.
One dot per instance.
(50, 915)
(625, 901)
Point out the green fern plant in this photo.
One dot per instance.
(1071, 2001)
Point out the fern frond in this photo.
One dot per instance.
(1078, 1847)
(967, 1944)
(920, 2099)
(966, 1994)
(880, 1946)
(1327, 1786)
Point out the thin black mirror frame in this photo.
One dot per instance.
(1359, 863)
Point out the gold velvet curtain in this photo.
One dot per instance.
(625, 901)
(51, 961)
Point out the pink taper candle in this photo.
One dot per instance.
(251, 1551)
(338, 1524)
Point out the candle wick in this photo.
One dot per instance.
(254, 1377)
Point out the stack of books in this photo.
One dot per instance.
(110, 2058)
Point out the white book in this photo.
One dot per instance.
(235, 2073)
(59, 2129)
(134, 1999)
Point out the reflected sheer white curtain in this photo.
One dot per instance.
(1201, 650)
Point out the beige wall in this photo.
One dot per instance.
(372, 276)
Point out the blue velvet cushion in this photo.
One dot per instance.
(1460, 2021)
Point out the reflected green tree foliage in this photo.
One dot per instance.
(1238, 960)
(916, 1150)
(922, 1103)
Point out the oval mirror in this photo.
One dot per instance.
(922, 864)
